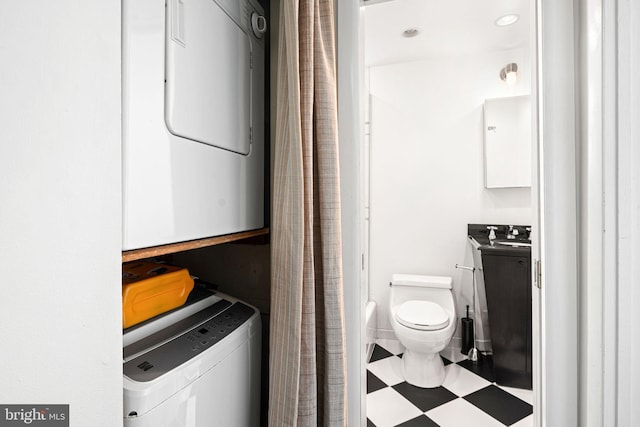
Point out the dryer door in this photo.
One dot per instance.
(208, 75)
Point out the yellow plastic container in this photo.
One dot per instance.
(150, 289)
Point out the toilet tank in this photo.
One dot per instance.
(406, 287)
(438, 282)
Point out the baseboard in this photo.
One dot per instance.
(456, 341)
(482, 345)
(385, 334)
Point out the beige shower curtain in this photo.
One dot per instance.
(307, 372)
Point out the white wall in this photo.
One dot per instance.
(60, 216)
(427, 168)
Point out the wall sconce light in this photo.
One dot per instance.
(509, 74)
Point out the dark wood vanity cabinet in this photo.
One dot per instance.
(507, 277)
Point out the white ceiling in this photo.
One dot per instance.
(447, 27)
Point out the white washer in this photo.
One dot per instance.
(198, 366)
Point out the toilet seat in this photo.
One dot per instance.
(422, 315)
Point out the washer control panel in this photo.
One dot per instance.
(162, 359)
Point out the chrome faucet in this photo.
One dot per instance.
(492, 232)
(512, 232)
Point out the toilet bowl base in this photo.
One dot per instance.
(424, 370)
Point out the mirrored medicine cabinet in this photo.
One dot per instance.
(507, 142)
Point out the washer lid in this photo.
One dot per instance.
(422, 315)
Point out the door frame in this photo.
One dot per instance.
(556, 314)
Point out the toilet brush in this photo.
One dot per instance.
(466, 333)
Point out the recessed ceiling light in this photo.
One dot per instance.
(508, 19)
(410, 32)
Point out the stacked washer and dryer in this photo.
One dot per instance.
(193, 100)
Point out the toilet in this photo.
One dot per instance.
(423, 316)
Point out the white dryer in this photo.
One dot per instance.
(198, 366)
(193, 99)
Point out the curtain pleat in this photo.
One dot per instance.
(307, 370)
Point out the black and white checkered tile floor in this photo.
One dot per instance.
(468, 395)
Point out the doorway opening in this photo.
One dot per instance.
(429, 71)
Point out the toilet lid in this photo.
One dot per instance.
(422, 315)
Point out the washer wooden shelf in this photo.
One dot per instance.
(172, 248)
